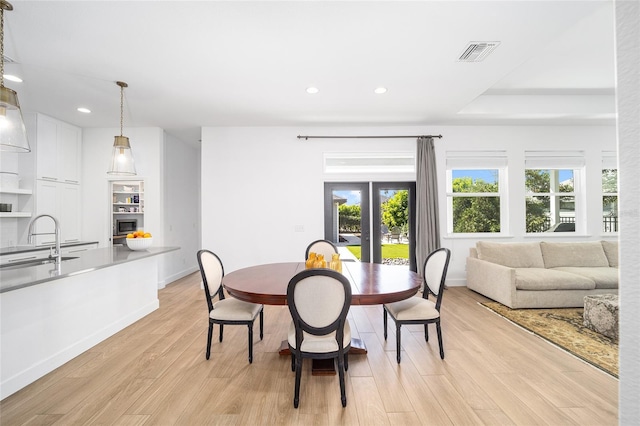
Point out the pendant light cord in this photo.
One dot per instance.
(122, 85)
(121, 107)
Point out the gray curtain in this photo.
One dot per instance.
(427, 223)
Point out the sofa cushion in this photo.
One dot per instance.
(512, 255)
(587, 253)
(551, 279)
(604, 277)
(611, 251)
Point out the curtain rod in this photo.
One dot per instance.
(368, 137)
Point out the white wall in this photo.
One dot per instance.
(170, 170)
(628, 107)
(147, 147)
(515, 140)
(181, 224)
(260, 184)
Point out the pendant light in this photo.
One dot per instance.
(121, 157)
(13, 135)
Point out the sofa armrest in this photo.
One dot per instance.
(494, 281)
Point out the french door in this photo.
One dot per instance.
(372, 215)
(347, 216)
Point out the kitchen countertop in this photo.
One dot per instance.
(13, 278)
(31, 248)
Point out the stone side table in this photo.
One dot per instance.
(601, 314)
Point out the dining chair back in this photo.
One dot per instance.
(319, 300)
(226, 311)
(324, 247)
(435, 273)
(420, 309)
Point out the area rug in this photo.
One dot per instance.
(564, 328)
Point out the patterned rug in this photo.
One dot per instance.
(564, 328)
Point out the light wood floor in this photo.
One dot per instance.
(155, 373)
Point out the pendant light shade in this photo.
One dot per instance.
(121, 158)
(122, 163)
(13, 135)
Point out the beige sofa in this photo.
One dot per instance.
(543, 274)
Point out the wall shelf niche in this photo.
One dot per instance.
(127, 208)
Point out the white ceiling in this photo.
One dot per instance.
(238, 63)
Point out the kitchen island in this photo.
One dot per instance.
(51, 314)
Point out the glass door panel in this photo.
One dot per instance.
(347, 217)
(393, 216)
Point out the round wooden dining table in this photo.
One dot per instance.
(371, 284)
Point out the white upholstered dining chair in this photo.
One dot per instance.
(323, 247)
(226, 311)
(419, 309)
(319, 301)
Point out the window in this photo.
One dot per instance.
(609, 193)
(475, 192)
(552, 194)
(369, 162)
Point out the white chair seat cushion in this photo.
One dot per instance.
(319, 344)
(413, 308)
(230, 309)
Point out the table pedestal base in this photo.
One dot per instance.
(325, 367)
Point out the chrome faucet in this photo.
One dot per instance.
(31, 234)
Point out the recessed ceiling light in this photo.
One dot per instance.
(312, 90)
(380, 90)
(85, 110)
(13, 78)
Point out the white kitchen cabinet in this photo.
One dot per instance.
(58, 150)
(78, 248)
(68, 154)
(46, 144)
(69, 211)
(62, 201)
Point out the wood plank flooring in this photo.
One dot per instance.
(155, 373)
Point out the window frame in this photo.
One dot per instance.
(609, 162)
(478, 160)
(573, 161)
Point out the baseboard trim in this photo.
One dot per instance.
(174, 277)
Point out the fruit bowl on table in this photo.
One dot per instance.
(139, 243)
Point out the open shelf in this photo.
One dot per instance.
(16, 191)
(15, 214)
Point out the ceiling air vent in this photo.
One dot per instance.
(476, 51)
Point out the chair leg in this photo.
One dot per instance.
(209, 335)
(384, 320)
(439, 330)
(346, 361)
(221, 330)
(261, 325)
(296, 395)
(250, 342)
(398, 342)
(426, 332)
(341, 370)
(293, 362)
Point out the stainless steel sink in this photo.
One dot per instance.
(33, 262)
